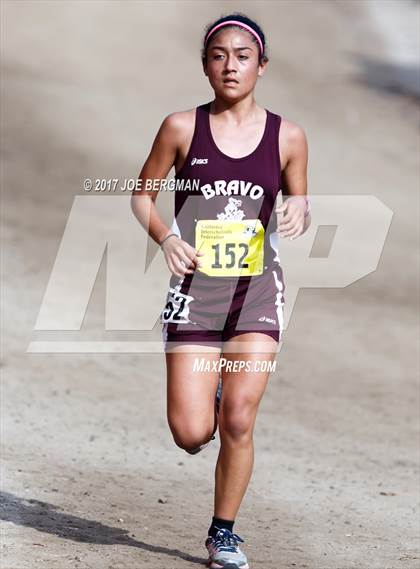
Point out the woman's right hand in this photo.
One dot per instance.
(181, 258)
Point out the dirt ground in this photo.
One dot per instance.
(91, 477)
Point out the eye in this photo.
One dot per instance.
(243, 57)
(218, 56)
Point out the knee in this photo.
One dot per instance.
(189, 438)
(236, 425)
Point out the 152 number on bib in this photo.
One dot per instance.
(231, 248)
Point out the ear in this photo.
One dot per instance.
(205, 68)
(261, 68)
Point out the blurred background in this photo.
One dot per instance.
(91, 477)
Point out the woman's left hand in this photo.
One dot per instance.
(292, 223)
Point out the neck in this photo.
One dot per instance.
(238, 110)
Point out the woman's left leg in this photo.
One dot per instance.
(241, 395)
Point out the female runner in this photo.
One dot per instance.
(226, 291)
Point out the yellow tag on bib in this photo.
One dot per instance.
(231, 248)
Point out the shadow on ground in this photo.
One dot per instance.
(47, 518)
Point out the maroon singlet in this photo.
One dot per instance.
(212, 309)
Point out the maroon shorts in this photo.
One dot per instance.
(211, 310)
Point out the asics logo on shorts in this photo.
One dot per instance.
(199, 161)
(265, 319)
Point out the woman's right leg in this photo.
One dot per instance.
(191, 395)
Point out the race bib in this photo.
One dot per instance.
(177, 308)
(231, 248)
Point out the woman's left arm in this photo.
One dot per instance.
(295, 210)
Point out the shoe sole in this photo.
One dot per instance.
(213, 565)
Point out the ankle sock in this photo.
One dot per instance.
(219, 523)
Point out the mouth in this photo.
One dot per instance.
(230, 82)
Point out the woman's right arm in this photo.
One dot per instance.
(179, 255)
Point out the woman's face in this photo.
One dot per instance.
(233, 64)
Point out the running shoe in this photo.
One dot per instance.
(201, 447)
(224, 552)
(218, 396)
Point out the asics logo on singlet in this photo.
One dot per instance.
(232, 188)
(199, 161)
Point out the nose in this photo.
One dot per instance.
(230, 63)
